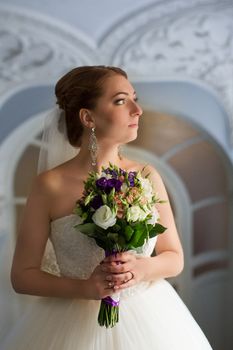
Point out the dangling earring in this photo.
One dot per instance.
(93, 146)
(119, 152)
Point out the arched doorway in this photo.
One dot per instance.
(197, 173)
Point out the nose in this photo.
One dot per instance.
(136, 109)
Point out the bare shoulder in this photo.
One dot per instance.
(146, 168)
(41, 197)
(48, 181)
(43, 189)
(152, 172)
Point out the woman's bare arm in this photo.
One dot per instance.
(26, 274)
(169, 259)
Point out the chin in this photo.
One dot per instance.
(131, 138)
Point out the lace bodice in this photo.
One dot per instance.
(77, 255)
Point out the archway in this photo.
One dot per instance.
(168, 142)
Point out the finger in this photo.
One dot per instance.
(132, 275)
(122, 257)
(125, 285)
(109, 285)
(120, 277)
(127, 277)
(117, 268)
(117, 278)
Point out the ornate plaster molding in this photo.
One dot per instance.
(175, 39)
(34, 47)
(178, 40)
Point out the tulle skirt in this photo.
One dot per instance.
(155, 318)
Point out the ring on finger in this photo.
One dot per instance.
(132, 275)
(110, 284)
(125, 281)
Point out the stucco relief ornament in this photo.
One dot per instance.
(173, 39)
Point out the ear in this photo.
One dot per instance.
(86, 118)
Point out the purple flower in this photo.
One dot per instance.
(111, 172)
(122, 172)
(114, 183)
(102, 183)
(131, 177)
(106, 185)
(97, 202)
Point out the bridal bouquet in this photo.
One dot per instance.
(117, 210)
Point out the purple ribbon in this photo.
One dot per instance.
(108, 252)
(110, 301)
(114, 252)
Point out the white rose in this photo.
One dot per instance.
(155, 217)
(147, 189)
(143, 213)
(133, 213)
(104, 217)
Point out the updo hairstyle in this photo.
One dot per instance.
(80, 88)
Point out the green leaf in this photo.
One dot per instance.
(100, 230)
(135, 238)
(139, 226)
(116, 227)
(157, 229)
(113, 236)
(104, 198)
(86, 228)
(100, 243)
(84, 216)
(162, 201)
(128, 232)
(78, 210)
(121, 242)
(141, 241)
(111, 194)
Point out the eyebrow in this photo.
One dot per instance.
(124, 93)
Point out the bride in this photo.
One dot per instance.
(98, 112)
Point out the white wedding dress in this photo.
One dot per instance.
(152, 315)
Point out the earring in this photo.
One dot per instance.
(119, 152)
(93, 146)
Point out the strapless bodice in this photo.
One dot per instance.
(77, 255)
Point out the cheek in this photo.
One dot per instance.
(107, 122)
(106, 125)
(112, 120)
(109, 118)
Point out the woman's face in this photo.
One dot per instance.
(117, 112)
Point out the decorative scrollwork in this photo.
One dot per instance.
(176, 39)
(32, 47)
(181, 40)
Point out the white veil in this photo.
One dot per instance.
(55, 148)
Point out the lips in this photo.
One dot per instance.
(133, 125)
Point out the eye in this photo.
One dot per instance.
(120, 101)
(136, 99)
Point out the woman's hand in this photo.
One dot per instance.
(97, 286)
(116, 272)
(123, 269)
